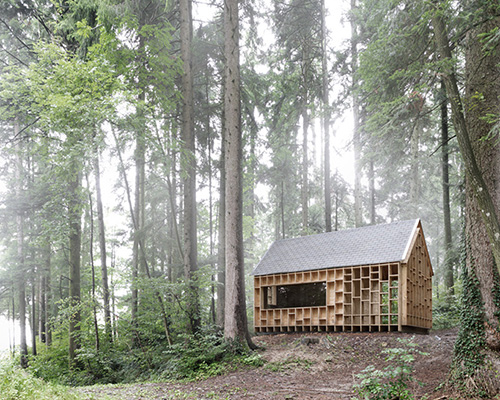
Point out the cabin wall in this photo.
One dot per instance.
(364, 298)
(417, 276)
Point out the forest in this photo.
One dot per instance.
(152, 151)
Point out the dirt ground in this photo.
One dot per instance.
(324, 368)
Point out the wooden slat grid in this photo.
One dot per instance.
(373, 298)
(358, 299)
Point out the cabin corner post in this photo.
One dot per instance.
(257, 306)
(403, 296)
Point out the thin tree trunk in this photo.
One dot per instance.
(74, 258)
(358, 206)
(371, 177)
(92, 266)
(414, 166)
(21, 291)
(34, 322)
(48, 294)
(235, 325)
(102, 247)
(43, 305)
(326, 120)
(189, 166)
(445, 182)
(221, 258)
(305, 170)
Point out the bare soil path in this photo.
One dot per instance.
(296, 369)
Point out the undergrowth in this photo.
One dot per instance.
(191, 357)
(473, 372)
(18, 384)
(393, 381)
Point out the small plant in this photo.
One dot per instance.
(18, 384)
(393, 381)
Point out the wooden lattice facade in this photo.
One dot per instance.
(386, 296)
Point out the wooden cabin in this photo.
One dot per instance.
(370, 279)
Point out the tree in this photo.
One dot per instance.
(188, 163)
(102, 246)
(235, 322)
(21, 289)
(326, 119)
(358, 210)
(448, 260)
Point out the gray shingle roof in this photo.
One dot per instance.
(367, 245)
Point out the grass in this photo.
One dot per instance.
(17, 384)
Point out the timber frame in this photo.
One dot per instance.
(392, 296)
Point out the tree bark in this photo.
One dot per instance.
(483, 77)
(235, 324)
(221, 257)
(92, 266)
(48, 294)
(21, 290)
(326, 120)
(480, 157)
(445, 182)
(74, 214)
(358, 206)
(102, 248)
(371, 179)
(305, 168)
(189, 165)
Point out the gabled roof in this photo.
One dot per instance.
(367, 245)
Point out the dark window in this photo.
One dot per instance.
(291, 296)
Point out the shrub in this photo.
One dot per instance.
(393, 381)
(18, 384)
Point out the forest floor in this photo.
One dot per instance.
(296, 370)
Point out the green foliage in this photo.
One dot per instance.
(17, 384)
(191, 357)
(205, 354)
(394, 380)
(445, 312)
(469, 354)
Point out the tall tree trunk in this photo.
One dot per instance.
(358, 206)
(445, 182)
(481, 158)
(74, 214)
(414, 168)
(221, 257)
(139, 206)
(21, 290)
(371, 179)
(48, 294)
(137, 233)
(326, 120)
(483, 76)
(475, 180)
(189, 165)
(305, 168)
(235, 324)
(43, 304)
(92, 266)
(102, 247)
(34, 314)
